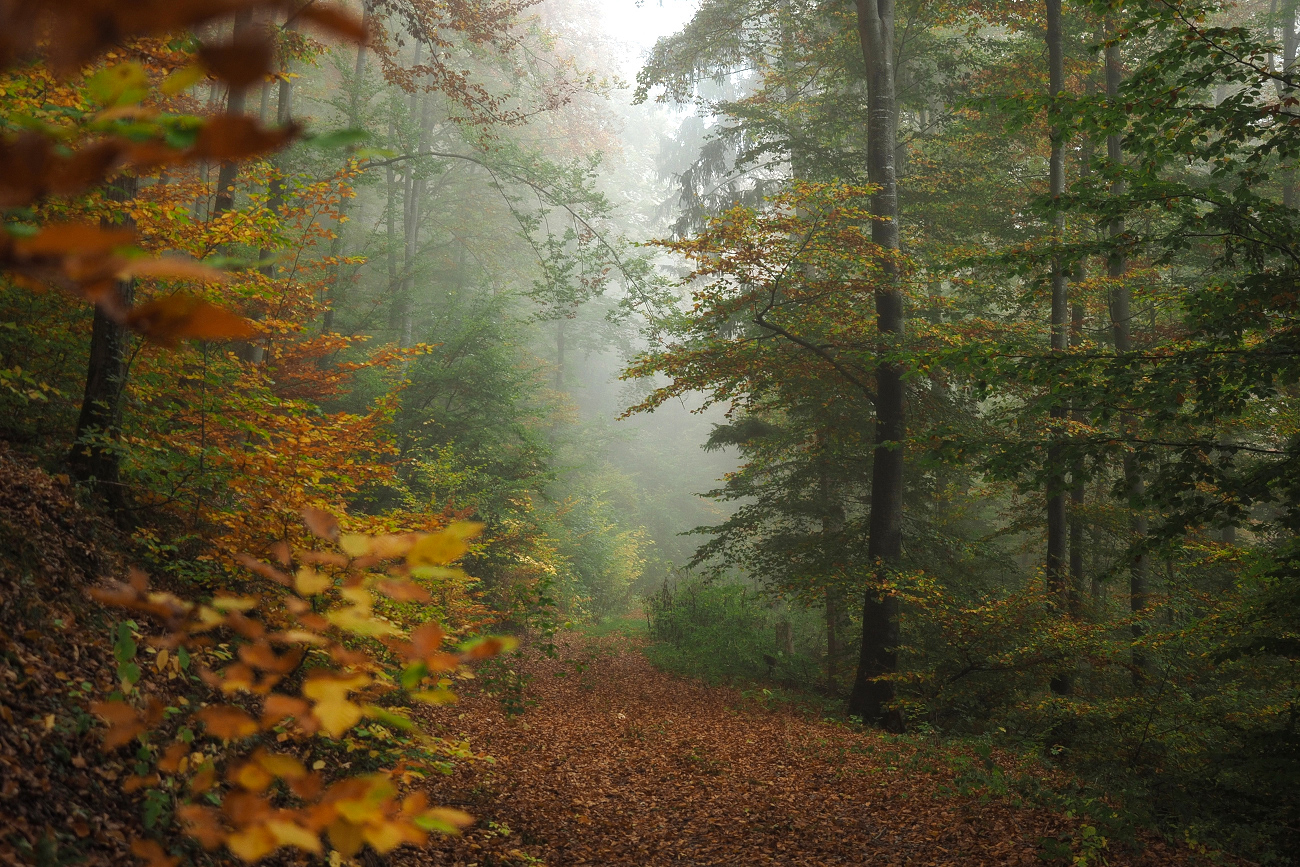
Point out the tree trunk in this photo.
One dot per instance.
(1058, 579)
(236, 103)
(871, 697)
(832, 526)
(256, 352)
(94, 455)
(335, 296)
(1290, 47)
(1077, 490)
(1122, 328)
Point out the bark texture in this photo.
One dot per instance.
(872, 697)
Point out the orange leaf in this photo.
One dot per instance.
(236, 137)
(173, 268)
(176, 317)
(67, 238)
(124, 722)
(404, 591)
(201, 824)
(153, 853)
(225, 721)
(322, 524)
(490, 647)
(276, 707)
(427, 640)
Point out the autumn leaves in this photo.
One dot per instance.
(312, 657)
(122, 134)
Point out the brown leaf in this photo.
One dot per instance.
(173, 269)
(227, 722)
(63, 239)
(403, 591)
(242, 63)
(237, 137)
(336, 20)
(176, 317)
(427, 640)
(322, 524)
(277, 707)
(124, 722)
(153, 854)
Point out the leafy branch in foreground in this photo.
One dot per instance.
(311, 659)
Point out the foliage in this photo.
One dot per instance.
(294, 664)
(728, 633)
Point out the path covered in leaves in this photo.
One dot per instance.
(622, 764)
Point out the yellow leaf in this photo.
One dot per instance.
(309, 582)
(448, 544)
(335, 713)
(336, 717)
(361, 621)
(346, 837)
(391, 547)
(445, 820)
(286, 767)
(354, 544)
(435, 696)
(289, 834)
(331, 688)
(253, 843)
(384, 837)
(253, 777)
(358, 596)
(234, 603)
(182, 79)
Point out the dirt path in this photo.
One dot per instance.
(622, 764)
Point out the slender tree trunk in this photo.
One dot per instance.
(832, 527)
(1077, 490)
(236, 103)
(1122, 328)
(871, 697)
(94, 456)
(559, 352)
(1290, 29)
(255, 353)
(336, 292)
(1058, 579)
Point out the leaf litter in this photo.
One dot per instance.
(624, 764)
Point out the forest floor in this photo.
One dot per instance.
(619, 763)
(613, 762)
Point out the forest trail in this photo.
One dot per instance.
(622, 764)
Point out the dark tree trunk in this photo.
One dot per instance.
(1122, 328)
(832, 528)
(94, 456)
(236, 103)
(1058, 579)
(872, 697)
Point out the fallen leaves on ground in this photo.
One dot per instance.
(623, 764)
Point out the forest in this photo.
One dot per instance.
(730, 432)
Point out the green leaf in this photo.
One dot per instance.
(341, 139)
(124, 84)
(125, 647)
